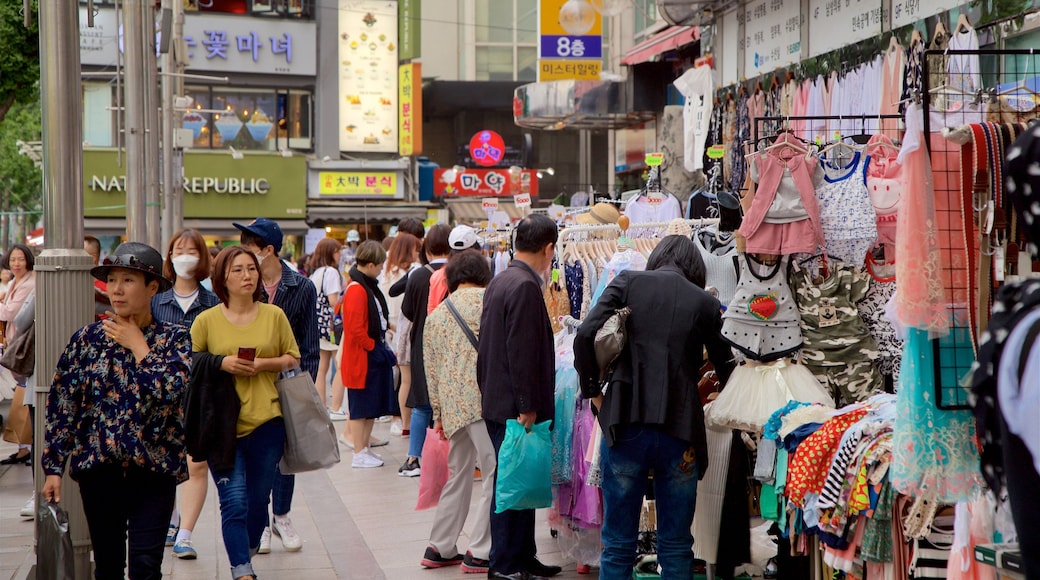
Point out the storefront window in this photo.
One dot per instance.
(645, 15)
(491, 26)
(527, 63)
(494, 63)
(249, 119)
(98, 118)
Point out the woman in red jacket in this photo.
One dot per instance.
(367, 360)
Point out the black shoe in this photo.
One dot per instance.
(410, 468)
(513, 576)
(15, 459)
(472, 565)
(433, 559)
(536, 568)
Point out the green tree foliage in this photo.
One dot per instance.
(19, 55)
(21, 181)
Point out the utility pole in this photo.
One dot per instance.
(64, 294)
(134, 137)
(150, 104)
(172, 156)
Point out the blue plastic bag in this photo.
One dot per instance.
(524, 474)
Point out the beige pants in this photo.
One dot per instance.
(469, 445)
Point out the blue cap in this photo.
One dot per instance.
(265, 229)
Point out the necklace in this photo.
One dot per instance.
(191, 294)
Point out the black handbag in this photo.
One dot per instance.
(20, 355)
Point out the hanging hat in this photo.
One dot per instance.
(1022, 168)
(678, 227)
(134, 256)
(601, 213)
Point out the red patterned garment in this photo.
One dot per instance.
(810, 463)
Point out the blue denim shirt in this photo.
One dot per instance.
(166, 308)
(298, 298)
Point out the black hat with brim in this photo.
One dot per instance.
(134, 256)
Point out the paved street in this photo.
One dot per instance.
(354, 524)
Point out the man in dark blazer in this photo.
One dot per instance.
(515, 372)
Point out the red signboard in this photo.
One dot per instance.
(484, 183)
(487, 148)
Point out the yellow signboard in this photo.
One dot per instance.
(580, 18)
(558, 70)
(357, 183)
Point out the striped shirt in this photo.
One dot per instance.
(166, 308)
(298, 298)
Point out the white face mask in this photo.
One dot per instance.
(185, 265)
(259, 257)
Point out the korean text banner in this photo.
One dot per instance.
(368, 73)
(484, 183)
(569, 32)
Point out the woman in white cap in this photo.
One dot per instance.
(114, 415)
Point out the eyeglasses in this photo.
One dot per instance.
(128, 261)
(239, 272)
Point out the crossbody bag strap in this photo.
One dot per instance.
(462, 323)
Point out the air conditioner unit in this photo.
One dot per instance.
(686, 13)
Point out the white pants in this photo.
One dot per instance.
(469, 445)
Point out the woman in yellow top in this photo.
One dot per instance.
(240, 323)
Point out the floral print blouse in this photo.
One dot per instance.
(451, 361)
(105, 407)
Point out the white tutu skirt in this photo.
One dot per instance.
(755, 391)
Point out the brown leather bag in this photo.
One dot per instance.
(18, 428)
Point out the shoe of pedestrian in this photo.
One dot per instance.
(406, 433)
(363, 460)
(171, 534)
(513, 576)
(337, 415)
(284, 529)
(473, 565)
(17, 457)
(29, 509)
(584, 569)
(374, 442)
(265, 542)
(410, 468)
(184, 550)
(433, 559)
(536, 568)
(396, 428)
(384, 419)
(373, 454)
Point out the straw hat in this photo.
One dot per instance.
(601, 213)
(678, 227)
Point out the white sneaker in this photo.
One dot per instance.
(29, 509)
(396, 428)
(284, 529)
(363, 460)
(337, 415)
(265, 542)
(384, 419)
(373, 453)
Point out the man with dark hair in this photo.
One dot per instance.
(287, 289)
(412, 226)
(515, 372)
(92, 246)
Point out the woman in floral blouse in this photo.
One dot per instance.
(114, 414)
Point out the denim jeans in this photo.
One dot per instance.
(245, 492)
(127, 502)
(637, 451)
(422, 417)
(281, 494)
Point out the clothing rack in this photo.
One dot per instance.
(570, 232)
(644, 228)
(780, 120)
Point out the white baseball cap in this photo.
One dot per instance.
(353, 236)
(463, 238)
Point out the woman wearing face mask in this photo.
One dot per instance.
(187, 263)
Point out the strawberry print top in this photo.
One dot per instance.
(762, 319)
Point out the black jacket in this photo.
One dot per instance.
(413, 306)
(211, 410)
(655, 378)
(515, 359)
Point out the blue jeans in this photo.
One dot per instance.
(422, 417)
(636, 452)
(281, 494)
(245, 492)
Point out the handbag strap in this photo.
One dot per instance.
(462, 323)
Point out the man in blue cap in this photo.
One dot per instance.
(297, 297)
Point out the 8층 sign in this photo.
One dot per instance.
(570, 40)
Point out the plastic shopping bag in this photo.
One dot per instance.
(310, 438)
(54, 548)
(524, 477)
(434, 473)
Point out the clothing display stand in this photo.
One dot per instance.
(884, 122)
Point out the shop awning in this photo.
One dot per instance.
(208, 227)
(470, 211)
(670, 38)
(357, 212)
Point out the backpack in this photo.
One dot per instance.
(324, 312)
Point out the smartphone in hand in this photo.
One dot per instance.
(246, 353)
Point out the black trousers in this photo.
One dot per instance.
(1023, 483)
(118, 501)
(512, 531)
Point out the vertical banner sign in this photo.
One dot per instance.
(368, 76)
(838, 23)
(772, 35)
(409, 29)
(410, 116)
(570, 40)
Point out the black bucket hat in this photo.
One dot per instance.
(1022, 168)
(134, 256)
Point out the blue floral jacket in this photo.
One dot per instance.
(105, 407)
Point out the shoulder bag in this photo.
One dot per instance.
(20, 356)
(462, 323)
(610, 340)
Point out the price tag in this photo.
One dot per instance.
(489, 204)
(522, 201)
(716, 152)
(654, 159)
(655, 198)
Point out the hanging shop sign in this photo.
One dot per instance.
(368, 75)
(234, 44)
(409, 130)
(838, 23)
(570, 40)
(906, 12)
(728, 39)
(487, 148)
(772, 35)
(384, 184)
(409, 29)
(214, 184)
(484, 183)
